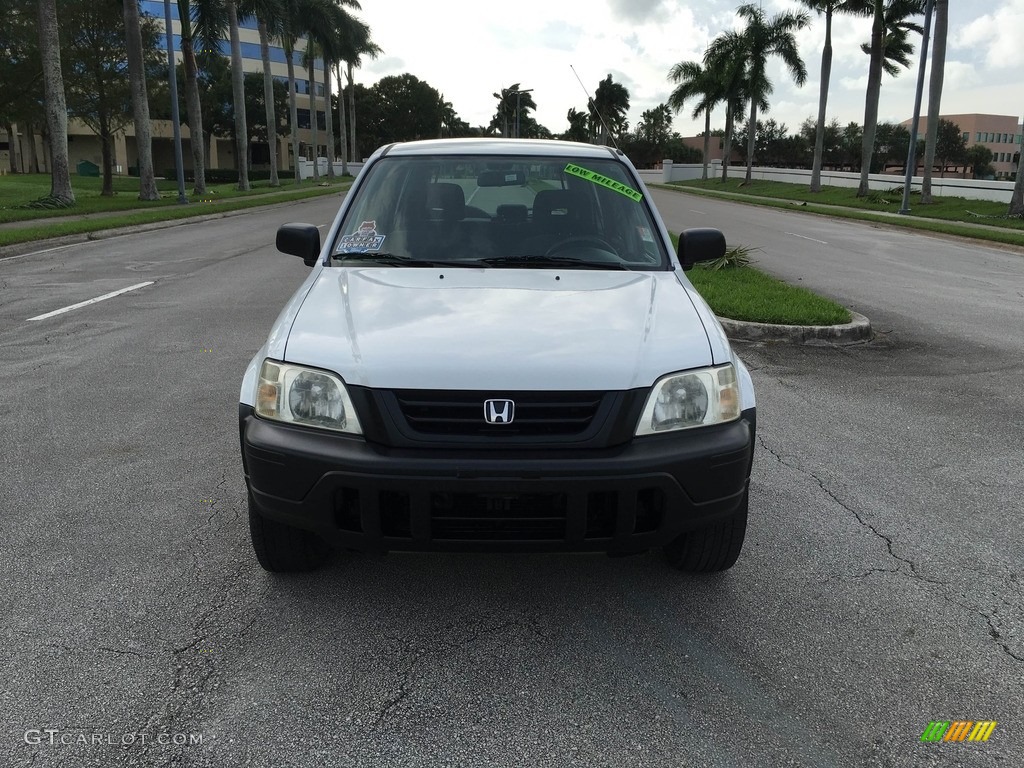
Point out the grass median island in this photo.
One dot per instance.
(955, 216)
(746, 293)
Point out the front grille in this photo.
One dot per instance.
(498, 517)
(461, 414)
(459, 516)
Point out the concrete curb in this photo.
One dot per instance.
(857, 330)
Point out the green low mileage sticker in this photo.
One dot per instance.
(604, 181)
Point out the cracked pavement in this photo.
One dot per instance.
(879, 587)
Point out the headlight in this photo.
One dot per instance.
(691, 399)
(305, 396)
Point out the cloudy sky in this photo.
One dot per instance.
(468, 49)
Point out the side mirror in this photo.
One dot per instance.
(302, 240)
(700, 244)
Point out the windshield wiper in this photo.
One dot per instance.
(537, 260)
(397, 260)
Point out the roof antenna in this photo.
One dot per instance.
(593, 106)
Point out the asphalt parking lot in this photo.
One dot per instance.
(879, 588)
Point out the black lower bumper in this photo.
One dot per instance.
(625, 499)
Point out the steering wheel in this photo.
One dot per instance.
(582, 241)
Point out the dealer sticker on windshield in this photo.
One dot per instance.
(604, 181)
(363, 240)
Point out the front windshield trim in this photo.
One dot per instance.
(474, 209)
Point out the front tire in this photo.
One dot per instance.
(712, 548)
(282, 548)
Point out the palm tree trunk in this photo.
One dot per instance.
(56, 108)
(107, 158)
(751, 139)
(140, 102)
(935, 97)
(341, 123)
(33, 158)
(289, 52)
(871, 100)
(195, 112)
(707, 142)
(268, 98)
(330, 119)
(1017, 200)
(727, 144)
(352, 113)
(238, 98)
(312, 116)
(819, 132)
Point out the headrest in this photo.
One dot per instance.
(511, 214)
(445, 202)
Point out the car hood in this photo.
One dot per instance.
(498, 329)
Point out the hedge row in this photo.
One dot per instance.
(227, 175)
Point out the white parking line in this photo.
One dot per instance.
(80, 304)
(805, 237)
(692, 210)
(36, 253)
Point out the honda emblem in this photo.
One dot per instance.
(499, 411)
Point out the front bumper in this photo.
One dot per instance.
(624, 499)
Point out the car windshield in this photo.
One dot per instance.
(500, 211)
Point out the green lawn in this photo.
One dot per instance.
(745, 293)
(947, 215)
(18, 189)
(30, 232)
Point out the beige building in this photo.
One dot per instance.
(84, 144)
(1000, 133)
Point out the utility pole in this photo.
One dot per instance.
(518, 94)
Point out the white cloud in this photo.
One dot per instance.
(474, 48)
(998, 34)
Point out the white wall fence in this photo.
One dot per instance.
(972, 189)
(306, 168)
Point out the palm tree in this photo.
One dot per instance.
(140, 101)
(609, 108)
(362, 45)
(725, 56)
(298, 17)
(309, 59)
(510, 100)
(888, 49)
(332, 43)
(763, 39)
(1017, 200)
(56, 108)
(354, 36)
(238, 99)
(577, 126)
(342, 139)
(696, 82)
(202, 21)
(268, 23)
(828, 7)
(935, 96)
